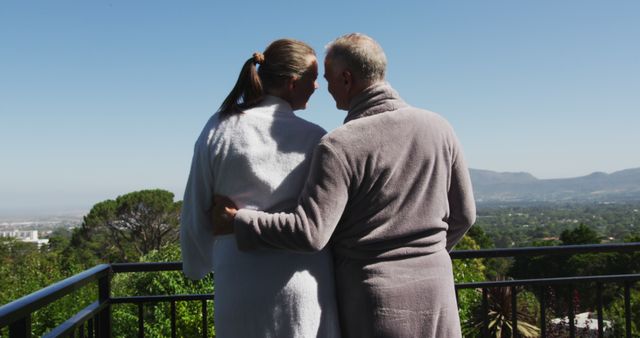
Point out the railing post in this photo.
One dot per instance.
(627, 308)
(21, 328)
(103, 328)
(485, 313)
(600, 316)
(173, 320)
(514, 312)
(572, 317)
(204, 319)
(141, 320)
(543, 312)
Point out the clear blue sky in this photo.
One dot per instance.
(101, 98)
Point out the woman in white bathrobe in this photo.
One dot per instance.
(256, 151)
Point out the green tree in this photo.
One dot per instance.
(128, 227)
(582, 234)
(562, 265)
(481, 238)
(59, 239)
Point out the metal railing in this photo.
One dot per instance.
(97, 316)
(540, 284)
(95, 320)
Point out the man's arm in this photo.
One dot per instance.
(462, 206)
(310, 225)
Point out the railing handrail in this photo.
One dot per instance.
(26, 305)
(550, 280)
(545, 250)
(146, 267)
(69, 325)
(455, 254)
(161, 298)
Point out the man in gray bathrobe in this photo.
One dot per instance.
(390, 191)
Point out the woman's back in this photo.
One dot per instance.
(260, 159)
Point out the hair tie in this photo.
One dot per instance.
(258, 58)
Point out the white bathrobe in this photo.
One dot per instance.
(260, 159)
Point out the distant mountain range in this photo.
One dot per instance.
(491, 186)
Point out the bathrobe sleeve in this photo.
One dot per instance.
(196, 238)
(310, 225)
(462, 207)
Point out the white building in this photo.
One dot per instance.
(29, 236)
(587, 322)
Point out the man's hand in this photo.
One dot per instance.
(222, 214)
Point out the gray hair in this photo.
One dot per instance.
(361, 54)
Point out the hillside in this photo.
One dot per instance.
(491, 186)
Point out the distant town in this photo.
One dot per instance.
(37, 230)
(41, 223)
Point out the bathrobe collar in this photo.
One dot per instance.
(375, 99)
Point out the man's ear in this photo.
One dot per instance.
(347, 76)
(347, 79)
(291, 83)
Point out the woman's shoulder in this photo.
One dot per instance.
(310, 126)
(301, 131)
(212, 124)
(216, 130)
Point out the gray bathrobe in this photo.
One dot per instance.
(390, 191)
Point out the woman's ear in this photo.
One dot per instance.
(287, 91)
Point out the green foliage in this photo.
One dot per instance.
(583, 234)
(128, 227)
(494, 268)
(59, 239)
(481, 238)
(18, 259)
(560, 265)
(467, 270)
(582, 296)
(615, 312)
(157, 316)
(512, 225)
(565, 266)
(25, 269)
(500, 315)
